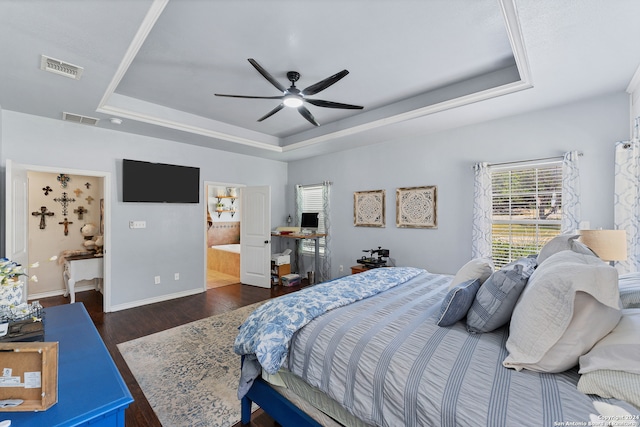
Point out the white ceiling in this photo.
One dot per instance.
(416, 66)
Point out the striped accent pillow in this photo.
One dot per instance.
(612, 384)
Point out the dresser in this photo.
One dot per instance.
(81, 267)
(91, 391)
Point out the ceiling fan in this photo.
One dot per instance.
(294, 97)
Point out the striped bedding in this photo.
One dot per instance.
(386, 361)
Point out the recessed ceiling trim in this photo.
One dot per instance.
(514, 32)
(431, 109)
(512, 26)
(141, 117)
(147, 24)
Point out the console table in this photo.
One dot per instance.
(314, 237)
(91, 391)
(80, 267)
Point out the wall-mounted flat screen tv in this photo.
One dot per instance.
(159, 182)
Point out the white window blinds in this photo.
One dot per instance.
(312, 202)
(526, 208)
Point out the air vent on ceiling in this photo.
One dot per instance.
(63, 68)
(80, 119)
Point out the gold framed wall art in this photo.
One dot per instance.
(416, 207)
(368, 208)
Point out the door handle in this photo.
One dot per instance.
(266, 242)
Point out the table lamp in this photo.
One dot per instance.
(609, 245)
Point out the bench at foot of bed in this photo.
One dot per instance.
(276, 405)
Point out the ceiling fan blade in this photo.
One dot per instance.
(330, 104)
(307, 115)
(323, 84)
(267, 76)
(271, 113)
(249, 97)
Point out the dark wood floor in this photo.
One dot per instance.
(125, 325)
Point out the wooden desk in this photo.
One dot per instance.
(355, 269)
(316, 238)
(91, 391)
(81, 267)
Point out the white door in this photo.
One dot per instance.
(17, 206)
(255, 236)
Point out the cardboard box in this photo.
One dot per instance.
(29, 373)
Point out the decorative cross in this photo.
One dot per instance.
(89, 199)
(87, 184)
(66, 223)
(42, 214)
(78, 192)
(80, 211)
(64, 201)
(63, 179)
(47, 190)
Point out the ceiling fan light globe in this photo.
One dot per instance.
(292, 101)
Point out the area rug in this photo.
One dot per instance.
(189, 374)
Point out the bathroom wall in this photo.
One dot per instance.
(224, 213)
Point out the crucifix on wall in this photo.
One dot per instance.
(66, 223)
(64, 201)
(80, 211)
(42, 214)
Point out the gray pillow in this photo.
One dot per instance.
(629, 285)
(457, 302)
(563, 242)
(497, 297)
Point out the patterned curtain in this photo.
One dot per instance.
(570, 192)
(325, 268)
(626, 214)
(481, 229)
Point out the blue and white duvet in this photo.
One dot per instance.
(268, 330)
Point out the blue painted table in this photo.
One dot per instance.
(91, 391)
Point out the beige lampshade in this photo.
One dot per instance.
(609, 245)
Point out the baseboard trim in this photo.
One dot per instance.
(59, 292)
(161, 298)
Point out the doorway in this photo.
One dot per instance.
(87, 200)
(222, 234)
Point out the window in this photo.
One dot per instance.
(526, 208)
(311, 201)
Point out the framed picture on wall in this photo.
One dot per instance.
(416, 207)
(368, 208)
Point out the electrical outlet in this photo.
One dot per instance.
(137, 224)
(341, 269)
(157, 280)
(176, 276)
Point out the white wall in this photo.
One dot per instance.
(445, 160)
(173, 241)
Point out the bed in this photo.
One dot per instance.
(400, 347)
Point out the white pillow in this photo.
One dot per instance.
(553, 322)
(618, 351)
(479, 268)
